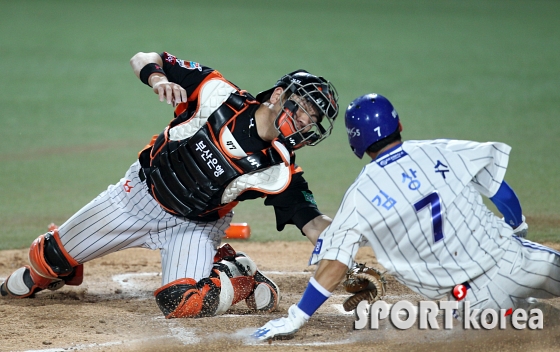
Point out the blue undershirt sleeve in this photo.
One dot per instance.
(508, 204)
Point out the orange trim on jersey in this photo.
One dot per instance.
(181, 108)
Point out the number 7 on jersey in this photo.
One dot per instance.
(437, 223)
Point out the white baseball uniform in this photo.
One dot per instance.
(125, 216)
(419, 207)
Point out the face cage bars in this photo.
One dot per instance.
(325, 105)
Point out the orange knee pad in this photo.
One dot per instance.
(187, 298)
(231, 281)
(49, 259)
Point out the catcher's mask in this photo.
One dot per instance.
(311, 95)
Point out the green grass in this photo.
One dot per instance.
(73, 115)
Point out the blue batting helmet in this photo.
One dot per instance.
(369, 119)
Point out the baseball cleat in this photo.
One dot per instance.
(56, 285)
(282, 328)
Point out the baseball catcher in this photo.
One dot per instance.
(223, 146)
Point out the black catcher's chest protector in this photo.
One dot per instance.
(188, 177)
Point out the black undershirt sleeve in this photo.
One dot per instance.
(295, 205)
(188, 74)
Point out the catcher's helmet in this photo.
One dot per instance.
(369, 118)
(313, 89)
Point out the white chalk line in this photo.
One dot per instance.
(332, 343)
(188, 336)
(287, 273)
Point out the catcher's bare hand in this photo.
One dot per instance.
(168, 91)
(365, 283)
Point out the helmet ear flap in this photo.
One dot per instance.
(285, 118)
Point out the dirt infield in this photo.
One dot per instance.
(114, 310)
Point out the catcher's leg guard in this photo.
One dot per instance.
(225, 251)
(23, 282)
(51, 267)
(266, 295)
(230, 282)
(185, 298)
(236, 276)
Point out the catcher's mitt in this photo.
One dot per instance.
(366, 284)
